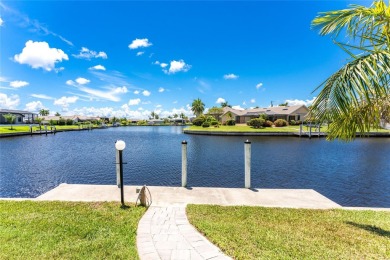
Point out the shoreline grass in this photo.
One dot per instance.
(241, 128)
(26, 129)
(70, 230)
(244, 232)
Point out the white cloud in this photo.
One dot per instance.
(87, 54)
(177, 66)
(146, 93)
(146, 102)
(40, 55)
(65, 101)
(294, 102)
(220, 100)
(18, 84)
(42, 96)
(70, 82)
(134, 102)
(9, 102)
(34, 106)
(230, 76)
(98, 67)
(237, 107)
(140, 53)
(136, 92)
(82, 81)
(174, 102)
(1, 22)
(140, 43)
(259, 85)
(111, 94)
(161, 64)
(253, 100)
(161, 90)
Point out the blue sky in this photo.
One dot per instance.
(127, 58)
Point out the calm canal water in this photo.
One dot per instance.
(351, 174)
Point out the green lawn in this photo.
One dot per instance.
(68, 230)
(276, 233)
(245, 128)
(26, 128)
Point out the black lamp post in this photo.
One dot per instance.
(120, 146)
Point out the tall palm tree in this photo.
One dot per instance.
(10, 118)
(225, 104)
(197, 107)
(357, 96)
(44, 112)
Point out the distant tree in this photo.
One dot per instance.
(57, 114)
(284, 104)
(197, 107)
(182, 115)
(216, 112)
(39, 120)
(10, 119)
(175, 115)
(153, 115)
(44, 112)
(225, 104)
(157, 116)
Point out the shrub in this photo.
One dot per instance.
(214, 123)
(206, 124)
(69, 121)
(268, 123)
(293, 122)
(198, 121)
(231, 122)
(256, 122)
(280, 123)
(299, 122)
(142, 122)
(61, 121)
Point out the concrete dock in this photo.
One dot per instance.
(179, 196)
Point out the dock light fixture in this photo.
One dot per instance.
(120, 146)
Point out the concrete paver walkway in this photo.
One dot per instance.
(165, 233)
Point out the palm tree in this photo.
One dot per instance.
(357, 96)
(197, 107)
(44, 112)
(153, 115)
(225, 104)
(10, 119)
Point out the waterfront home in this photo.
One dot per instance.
(288, 113)
(75, 119)
(155, 122)
(22, 117)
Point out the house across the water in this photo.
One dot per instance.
(75, 119)
(288, 113)
(21, 117)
